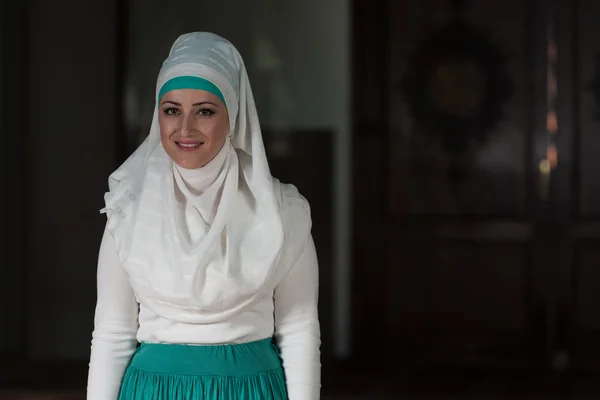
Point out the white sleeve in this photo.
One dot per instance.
(115, 326)
(297, 330)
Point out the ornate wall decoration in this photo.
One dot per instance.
(457, 84)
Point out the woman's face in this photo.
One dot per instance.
(193, 126)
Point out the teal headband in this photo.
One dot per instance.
(191, 82)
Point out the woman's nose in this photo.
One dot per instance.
(187, 125)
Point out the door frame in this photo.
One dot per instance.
(576, 231)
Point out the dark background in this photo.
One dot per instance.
(449, 150)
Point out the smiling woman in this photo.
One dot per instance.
(207, 274)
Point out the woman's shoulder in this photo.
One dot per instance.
(295, 215)
(291, 202)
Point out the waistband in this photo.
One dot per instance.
(221, 360)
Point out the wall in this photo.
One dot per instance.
(72, 127)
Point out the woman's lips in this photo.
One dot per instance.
(188, 146)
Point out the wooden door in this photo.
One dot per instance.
(455, 202)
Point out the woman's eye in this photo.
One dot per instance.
(171, 111)
(206, 112)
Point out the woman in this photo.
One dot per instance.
(207, 261)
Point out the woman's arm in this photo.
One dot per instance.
(297, 330)
(115, 325)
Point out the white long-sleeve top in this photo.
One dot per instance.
(289, 313)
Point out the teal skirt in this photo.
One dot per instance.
(249, 371)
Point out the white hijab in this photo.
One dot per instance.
(235, 261)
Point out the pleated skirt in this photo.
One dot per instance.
(249, 371)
